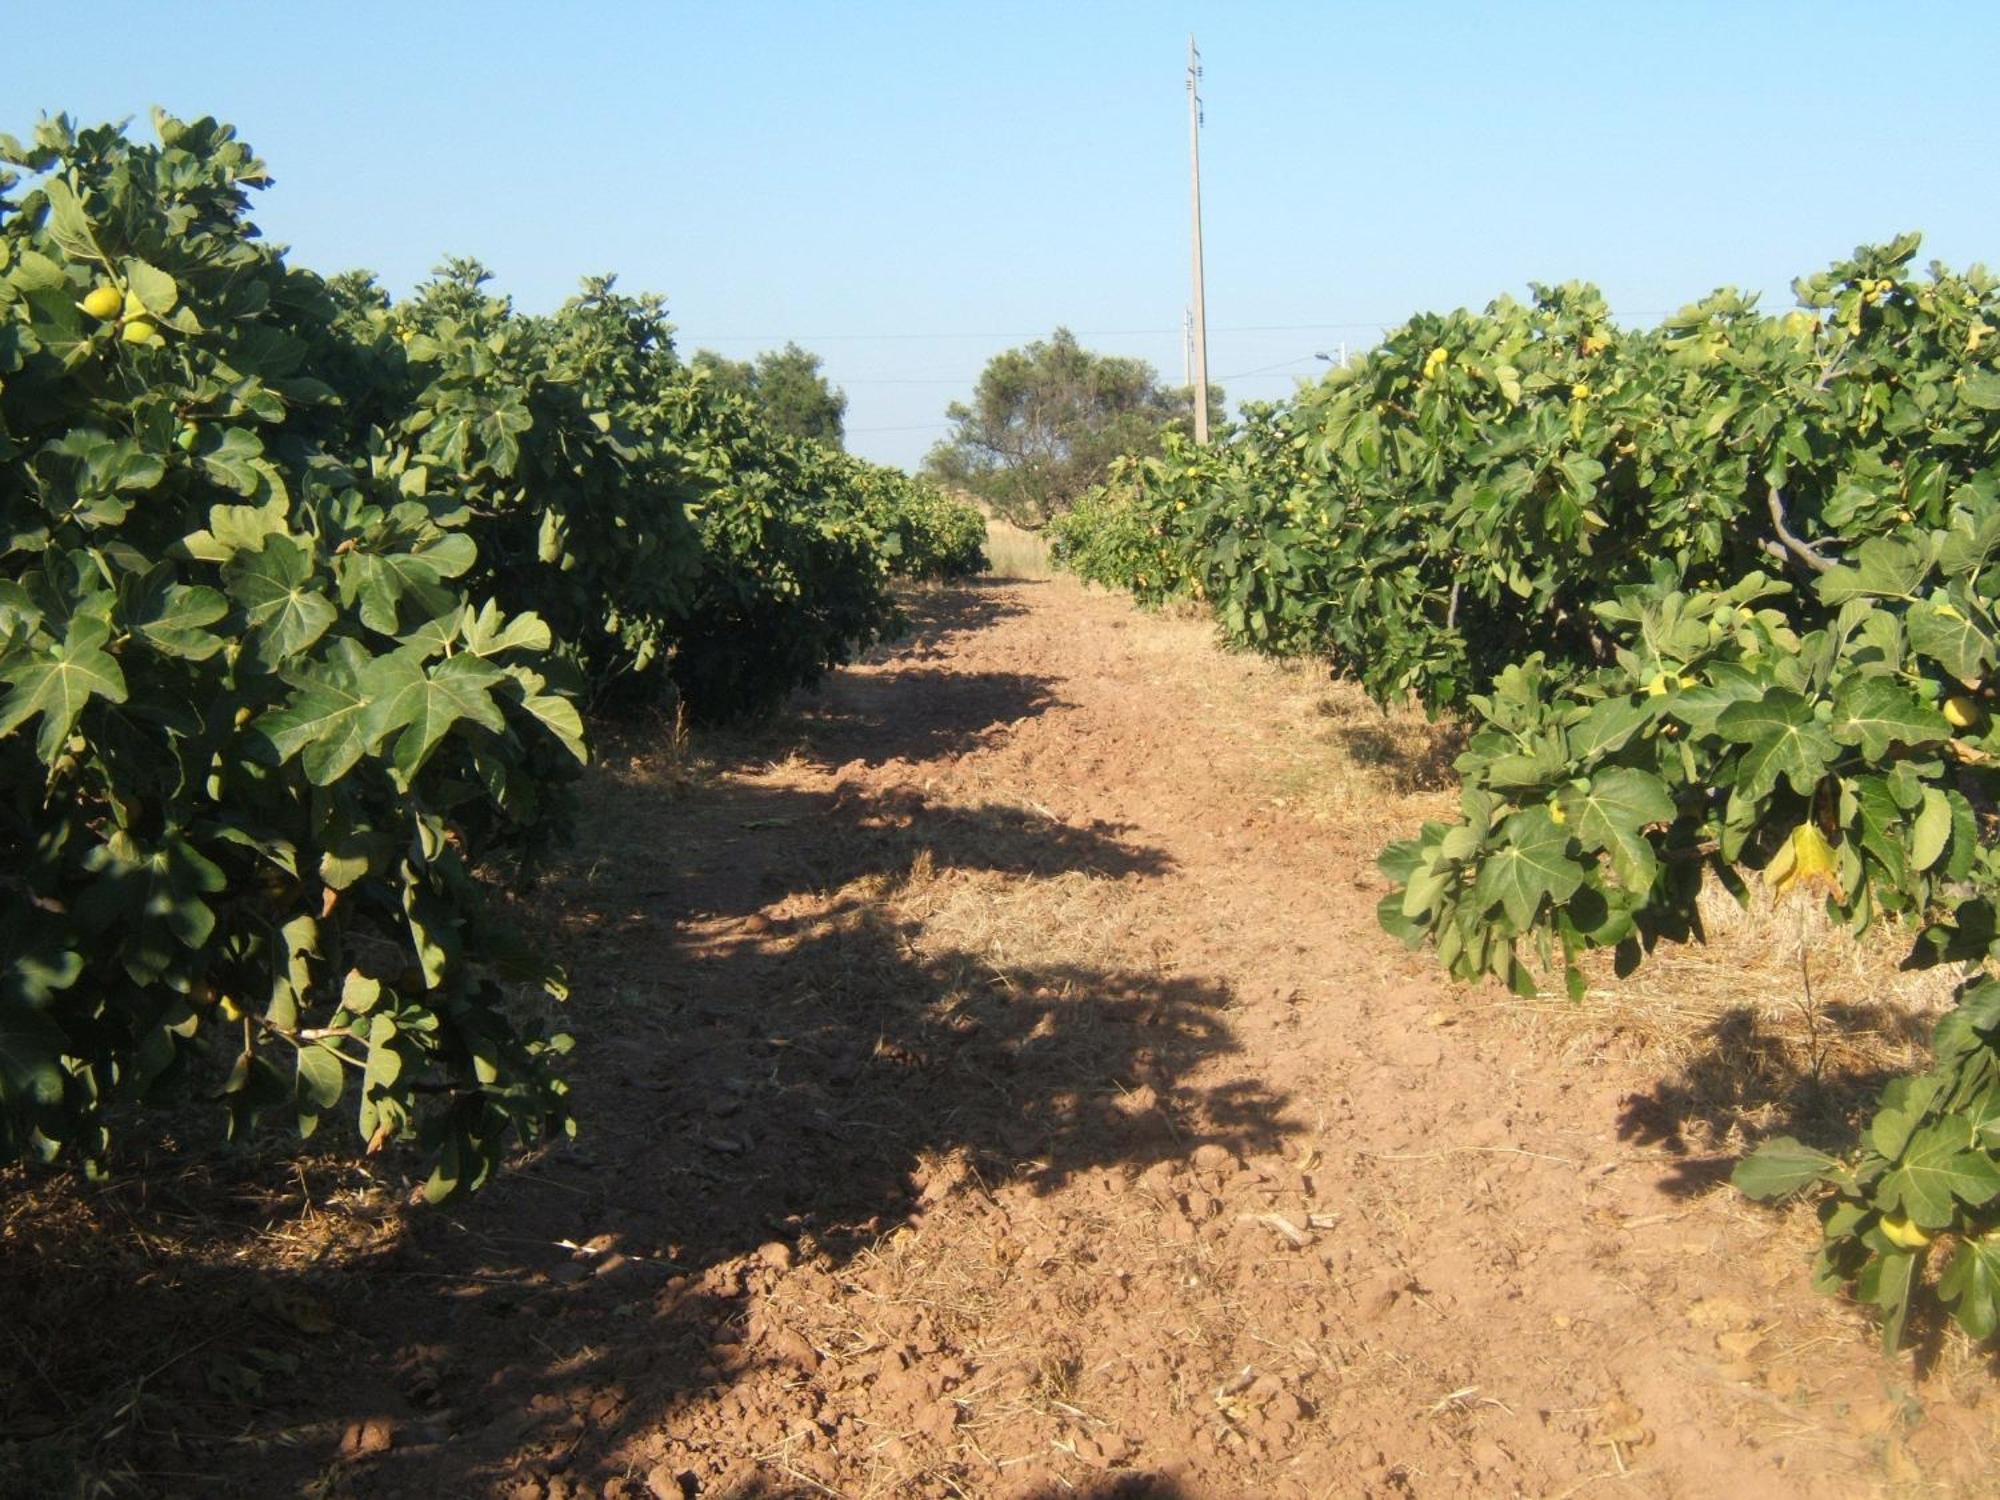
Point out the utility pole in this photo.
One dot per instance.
(1187, 346)
(1200, 313)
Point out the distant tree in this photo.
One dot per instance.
(798, 397)
(736, 376)
(1045, 422)
(786, 384)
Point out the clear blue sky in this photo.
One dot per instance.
(908, 188)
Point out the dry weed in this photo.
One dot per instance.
(1779, 1020)
(1012, 552)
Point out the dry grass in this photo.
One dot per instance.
(225, 1272)
(1384, 768)
(1779, 1021)
(1075, 919)
(1014, 553)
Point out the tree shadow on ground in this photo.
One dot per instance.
(919, 709)
(1752, 1078)
(1134, 1486)
(1420, 764)
(920, 714)
(763, 1095)
(909, 710)
(736, 855)
(934, 615)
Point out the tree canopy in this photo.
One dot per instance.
(786, 384)
(1046, 421)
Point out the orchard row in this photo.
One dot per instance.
(1719, 597)
(306, 599)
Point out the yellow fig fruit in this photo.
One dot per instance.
(1902, 1232)
(231, 1011)
(1962, 712)
(104, 303)
(139, 331)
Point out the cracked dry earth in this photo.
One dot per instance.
(995, 1084)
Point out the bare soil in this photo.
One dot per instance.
(995, 1083)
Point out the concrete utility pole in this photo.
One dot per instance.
(1200, 309)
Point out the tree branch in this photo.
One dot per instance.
(1802, 551)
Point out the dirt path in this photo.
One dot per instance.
(996, 1084)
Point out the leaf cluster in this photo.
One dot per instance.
(255, 732)
(1720, 596)
(1927, 1175)
(1721, 737)
(1463, 495)
(302, 595)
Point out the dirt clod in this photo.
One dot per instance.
(368, 1437)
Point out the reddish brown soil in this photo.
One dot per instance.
(995, 1084)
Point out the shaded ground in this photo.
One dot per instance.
(995, 1083)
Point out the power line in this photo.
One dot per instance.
(960, 380)
(1382, 325)
(1282, 364)
(683, 336)
(905, 380)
